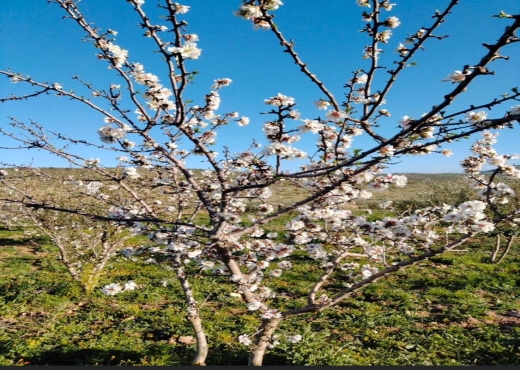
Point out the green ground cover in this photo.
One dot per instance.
(455, 309)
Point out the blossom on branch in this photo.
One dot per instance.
(279, 100)
(392, 22)
(322, 104)
(221, 82)
(455, 77)
(336, 116)
(188, 51)
(249, 12)
(181, 9)
(476, 117)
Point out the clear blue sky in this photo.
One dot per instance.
(37, 42)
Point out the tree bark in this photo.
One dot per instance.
(193, 314)
(263, 338)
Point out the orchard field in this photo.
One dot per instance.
(454, 309)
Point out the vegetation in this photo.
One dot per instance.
(452, 310)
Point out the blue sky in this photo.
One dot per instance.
(36, 41)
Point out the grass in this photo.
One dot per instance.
(455, 309)
(452, 310)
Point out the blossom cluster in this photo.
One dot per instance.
(255, 14)
(157, 95)
(115, 288)
(116, 54)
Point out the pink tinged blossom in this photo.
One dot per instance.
(364, 3)
(483, 226)
(311, 125)
(266, 209)
(476, 117)
(447, 152)
(387, 151)
(455, 77)
(271, 314)
(336, 116)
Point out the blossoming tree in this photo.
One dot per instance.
(220, 218)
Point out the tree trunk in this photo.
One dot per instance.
(496, 250)
(263, 338)
(193, 314)
(508, 247)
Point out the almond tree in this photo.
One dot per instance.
(220, 218)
